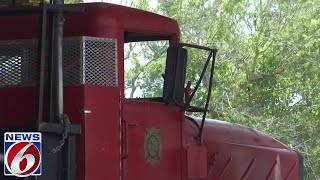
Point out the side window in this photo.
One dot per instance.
(144, 64)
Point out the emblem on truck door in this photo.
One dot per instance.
(152, 146)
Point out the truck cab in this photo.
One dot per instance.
(104, 132)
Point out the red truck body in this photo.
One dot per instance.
(138, 139)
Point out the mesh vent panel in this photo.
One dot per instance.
(11, 70)
(86, 60)
(72, 61)
(100, 64)
(17, 63)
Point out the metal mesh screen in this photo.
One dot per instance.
(17, 63)
(72, 61)
(100, 64)
(86, 60)
(11, 69)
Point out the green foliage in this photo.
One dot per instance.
(73, 1)
(267, 71)
(144, 65)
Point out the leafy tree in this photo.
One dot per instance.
(267, 71)
(144, 65)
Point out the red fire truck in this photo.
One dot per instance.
(62, 74)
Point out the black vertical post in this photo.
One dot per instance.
(40, 70)
(50, 72)
(58, 22)
(40, 67)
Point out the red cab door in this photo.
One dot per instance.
(151, 141)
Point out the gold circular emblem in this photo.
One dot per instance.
(152, 146)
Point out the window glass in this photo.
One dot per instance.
(144, 64)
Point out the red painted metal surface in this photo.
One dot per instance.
(116, 127)
(238, 152)
(17, 105)
(141, 116)
(102, 133)
(197, 162)
(13, 107)
(101, 20)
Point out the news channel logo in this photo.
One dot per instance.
(22, 154)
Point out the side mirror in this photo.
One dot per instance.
(175, 75)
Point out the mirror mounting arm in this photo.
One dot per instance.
(174, 89)
(212, 55)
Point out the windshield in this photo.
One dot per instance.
(144, 68)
